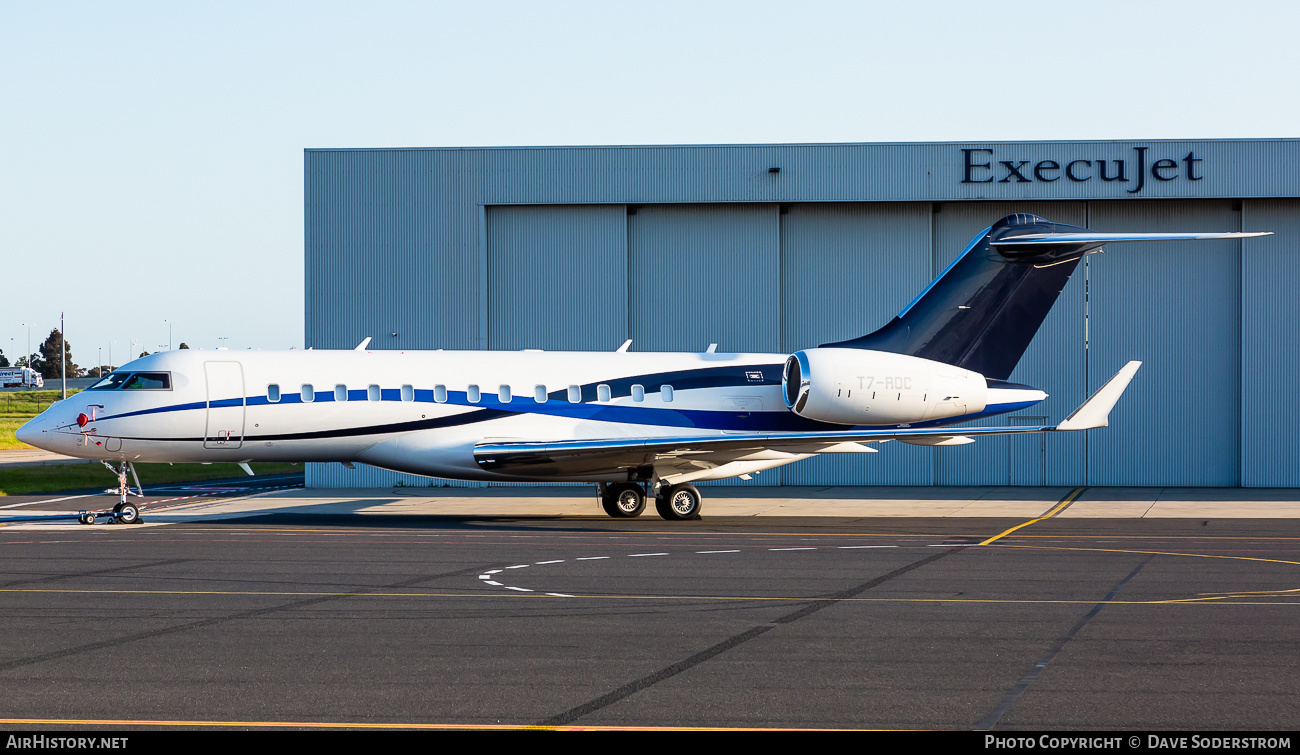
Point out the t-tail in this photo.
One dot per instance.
(983, 310)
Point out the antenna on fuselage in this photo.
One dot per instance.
(713, 349)
(625, 346)
(362, 346)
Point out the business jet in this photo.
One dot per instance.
(638, 425)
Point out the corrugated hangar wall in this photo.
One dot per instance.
(1213, 322)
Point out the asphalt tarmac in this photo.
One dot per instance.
(302, 619)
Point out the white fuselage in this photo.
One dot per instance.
(423, 412)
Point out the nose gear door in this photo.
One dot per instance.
(225, 427)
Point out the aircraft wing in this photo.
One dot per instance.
(695, 456)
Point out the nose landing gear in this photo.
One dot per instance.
(123, 512)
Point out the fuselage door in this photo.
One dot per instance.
(225, 405)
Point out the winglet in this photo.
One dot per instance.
(362, 346)
(1095, 412)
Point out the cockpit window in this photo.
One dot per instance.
(111, 381)
(149, 381)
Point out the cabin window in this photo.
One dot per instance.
(273, 393)
(638, 393)
(539, 394)
(666, 393)
(602, 392)
(503, 394)
(575, 394)
(340, 393)
(372, 393)
(408, 393)
(440, 394)
(472, 393)
(111, 380)
(308, 393)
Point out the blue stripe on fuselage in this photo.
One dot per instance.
(761, 421)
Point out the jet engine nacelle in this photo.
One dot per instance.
(859, 387)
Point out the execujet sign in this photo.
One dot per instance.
(1130, 171)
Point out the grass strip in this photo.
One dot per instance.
(27, 403)
(9, 426)
(54, 478)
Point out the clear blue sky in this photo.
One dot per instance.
(151, 153)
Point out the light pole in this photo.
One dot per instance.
(28, 325)
(63, 351)
(170, 323)
(110, 353)
(133, 343)
(223, 338)
(99, 368)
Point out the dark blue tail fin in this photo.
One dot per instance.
(984, 308)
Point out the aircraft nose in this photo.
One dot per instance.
(31, 433)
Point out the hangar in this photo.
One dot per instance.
(774, 248)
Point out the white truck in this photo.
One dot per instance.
(20, 377)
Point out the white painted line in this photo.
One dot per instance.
(792, 549)
(519, 589)
(484, 576)
(591, 558)
(521, 566)
(736, 551)
(559, 595)
(492, 571)
(556, 561)
(952, 545)
(49, 500)
(847, 547)
(490, 582)
(638, 555)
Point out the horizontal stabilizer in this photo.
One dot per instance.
(982, 311)
(1095, 412)
(1108, 238)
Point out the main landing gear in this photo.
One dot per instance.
(124, 512)
(624, 500)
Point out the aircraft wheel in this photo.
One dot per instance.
(127, 513)
(678, 503)
(623, 501)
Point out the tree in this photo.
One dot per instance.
(143, 354)
(48, 363)
(184, 345)
(4, 361)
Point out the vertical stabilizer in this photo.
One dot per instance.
(984, 308)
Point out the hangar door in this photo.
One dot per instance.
(557, 277)
(1054, 362)
(1177, 307)
(846, 270)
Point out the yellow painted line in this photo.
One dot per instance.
(371, 725)
(522, 596)
(1069, 499)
